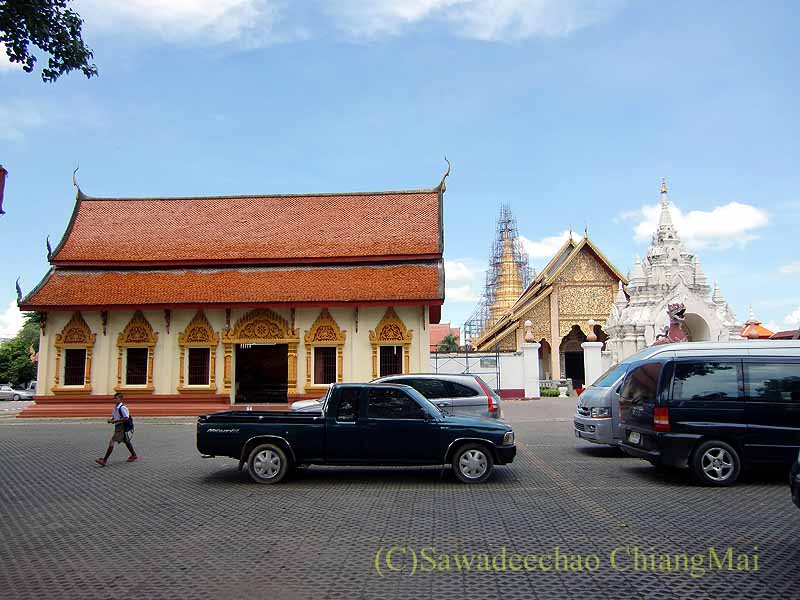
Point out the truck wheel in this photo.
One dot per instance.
(267, 464)
(472, 463)
(716, 463)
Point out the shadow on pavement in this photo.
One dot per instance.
(363, 475)
(758, 475)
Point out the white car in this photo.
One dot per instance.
(9, 393)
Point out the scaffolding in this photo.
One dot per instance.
(509, 274)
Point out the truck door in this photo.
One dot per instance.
(344, 426)
(399, 429)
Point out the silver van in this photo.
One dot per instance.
(597, 416)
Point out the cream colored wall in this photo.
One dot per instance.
(357, 364)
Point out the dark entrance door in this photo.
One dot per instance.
(262, 373)
(573, 367)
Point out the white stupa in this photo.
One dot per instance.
(668, 274)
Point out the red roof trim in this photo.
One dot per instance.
(434, 304)
(284, 262)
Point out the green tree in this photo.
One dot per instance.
(51, 26)
(449, 343)
(15, 360)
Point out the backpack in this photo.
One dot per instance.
(129, 421)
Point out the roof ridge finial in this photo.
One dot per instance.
(663, 185)
(442, 185)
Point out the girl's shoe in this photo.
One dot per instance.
(100, 461)
(133, 458)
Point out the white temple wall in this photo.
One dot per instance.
(357, 351)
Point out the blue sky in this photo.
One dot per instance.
(570, 111)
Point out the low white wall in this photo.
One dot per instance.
(511, 367)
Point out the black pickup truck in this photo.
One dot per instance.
(360, 424)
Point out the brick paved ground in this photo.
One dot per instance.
(178, 526)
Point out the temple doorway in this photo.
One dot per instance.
(696, 328)
(572, 356)
(261, 373)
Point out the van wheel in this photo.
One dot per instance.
(267, 464)
(472, 463)
(716, 463)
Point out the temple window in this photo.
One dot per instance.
(199, 360)
(135, 352)
(391, 360)
(391, 346)
(324, 352)
(74, 345)
(136, 366)
(324, 365)
(198, 356)
(74, 366)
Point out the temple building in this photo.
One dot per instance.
(191, 305)
(669, 273)
(575, 288)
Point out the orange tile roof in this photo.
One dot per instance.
(439, 331)
(253, 229)
(65, 288)
(754, 330)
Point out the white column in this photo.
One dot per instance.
(530, 369)
(592, 361)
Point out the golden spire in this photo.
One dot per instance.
(663, 185)
(509, 283)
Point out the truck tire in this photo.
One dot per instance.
(472, 463)
(716, 463)
(267, 464)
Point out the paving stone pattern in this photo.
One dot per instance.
(175, 525)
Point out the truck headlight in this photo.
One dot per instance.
(508, 438)
(601, 412)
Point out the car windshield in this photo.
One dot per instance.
(608, 378)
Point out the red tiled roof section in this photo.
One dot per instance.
(407, 282)
(252, 228)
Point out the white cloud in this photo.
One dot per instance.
(722, 227)
(10, 320)
(793, 318)
(22, 117)
(251, 22)
(545, 247)
(460, 293)
(18, 118)
(457, 271)
(5, 63)
(489, 20)
(793, 267)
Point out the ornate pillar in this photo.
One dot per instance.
(292, 375)
(226, 376)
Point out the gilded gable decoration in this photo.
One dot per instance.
(258, 326)
(75, 335)
(391, 331)
(138, 333)
(198, 334)
(325, 331)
